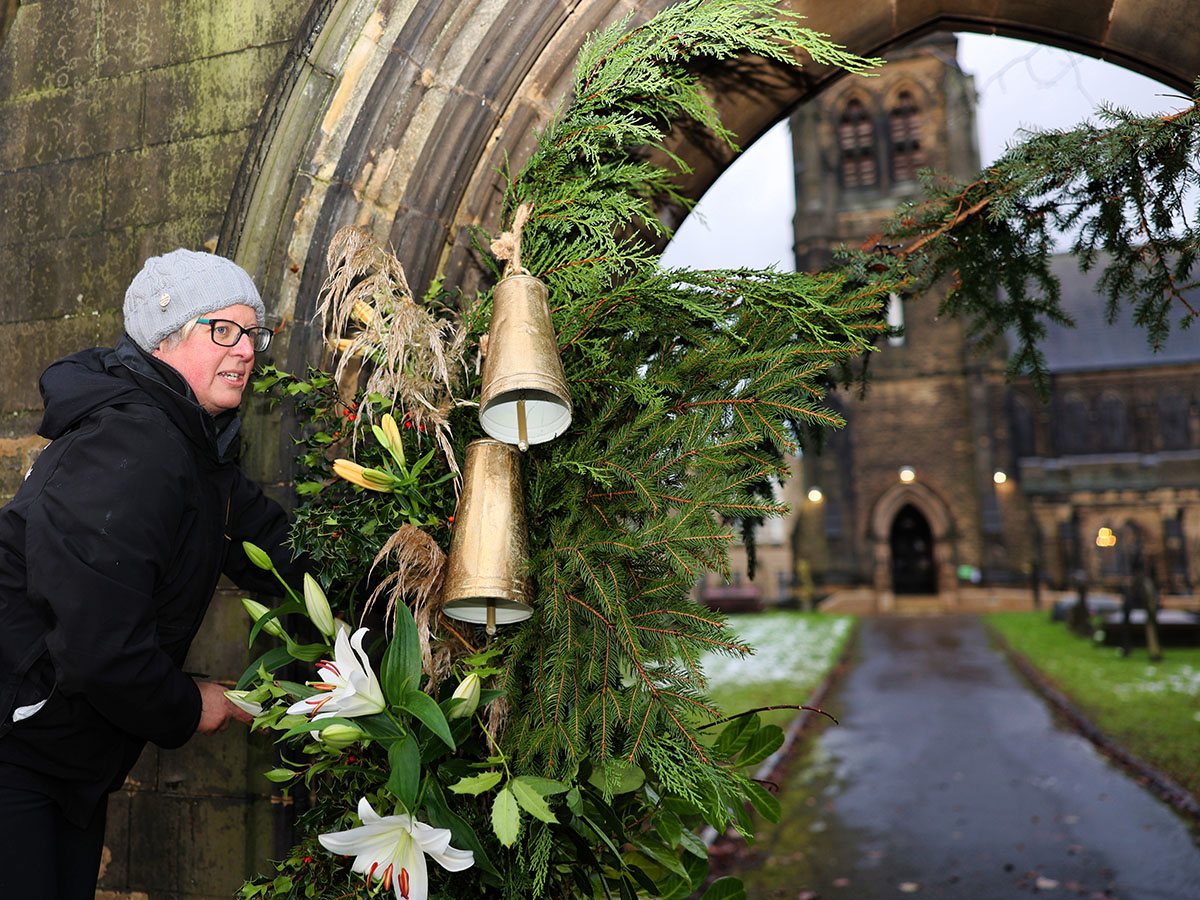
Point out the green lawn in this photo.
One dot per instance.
(1151, 709)
(793, 652)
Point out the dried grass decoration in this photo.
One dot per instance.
(370, 318)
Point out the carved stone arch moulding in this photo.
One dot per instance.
(914, 87)
(397, 115)
(918, 495)
(941, 525)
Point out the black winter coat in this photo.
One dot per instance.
(109, 556)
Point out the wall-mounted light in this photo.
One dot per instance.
(1106, 538)
(908, 474)
(815, 495)
(999, 477)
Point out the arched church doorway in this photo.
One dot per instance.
(911, 540)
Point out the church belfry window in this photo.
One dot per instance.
(904, 127)
(856, 144)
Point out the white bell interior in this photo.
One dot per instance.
(546, 416)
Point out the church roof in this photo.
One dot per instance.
(1095, 344)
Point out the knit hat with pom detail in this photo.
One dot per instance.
(179, 286)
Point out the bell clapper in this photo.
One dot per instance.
(490, 628)
(522, 433)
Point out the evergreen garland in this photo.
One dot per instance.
(593, 769)
(686, 385)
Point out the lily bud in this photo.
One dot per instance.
(258, 556)
(363, 312)
(392, 432)
(371, 479)
(339, 736)
(468, 692)
(257, 611)
(317, 606)
(238, 699)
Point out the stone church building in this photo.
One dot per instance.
(948, 482)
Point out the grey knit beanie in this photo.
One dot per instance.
(178, 286)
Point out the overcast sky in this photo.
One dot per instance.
(745, 218)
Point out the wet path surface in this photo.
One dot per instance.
(948, 777)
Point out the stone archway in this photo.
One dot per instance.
(935, 524)
(398, 115)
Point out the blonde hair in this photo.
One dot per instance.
(177, 337)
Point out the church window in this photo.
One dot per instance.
(1024, 440)
(895, 319)
(1114, 425)
(904, 125)
(1074, 427)
(1173, 421)
(856, 142)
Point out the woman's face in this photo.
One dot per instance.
(217, 374)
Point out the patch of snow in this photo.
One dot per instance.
(788, 647)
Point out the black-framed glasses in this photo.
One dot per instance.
(227, 333)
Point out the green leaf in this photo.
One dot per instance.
(404, 757)
(307, 652)
(766, 741)
(426, 709)
(668, 827)
(506, 818)
(279, 775)
(626, 776)
(726, 888)
(661, 854)
(736, 735)
(545, 786)
(764, 802)
(463, 835)
(693, 844)
(269, 661)
(531, 801)
(477, 784)
(402, 660)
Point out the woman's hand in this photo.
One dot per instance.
(216, 711)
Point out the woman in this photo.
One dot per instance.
(109, 555)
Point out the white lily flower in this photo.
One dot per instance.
(392, 849)
(349, 688)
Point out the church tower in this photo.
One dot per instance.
(905, 500)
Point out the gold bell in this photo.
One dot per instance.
(524, 398)
(486, 574)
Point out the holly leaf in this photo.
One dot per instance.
(477, 784)
(531, 801)
(506, 817)
(547, 787)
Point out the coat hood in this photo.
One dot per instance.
(79, 385)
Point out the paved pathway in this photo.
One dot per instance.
(949, 778)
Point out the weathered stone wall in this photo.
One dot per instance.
(122, 128)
